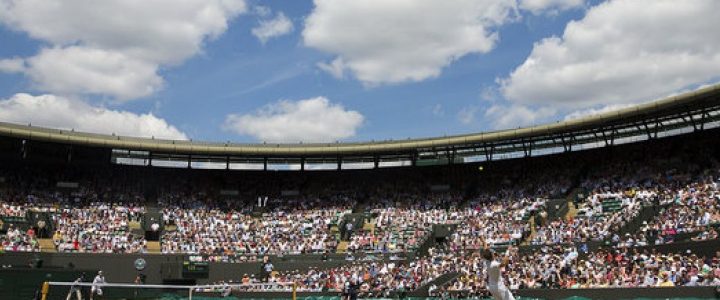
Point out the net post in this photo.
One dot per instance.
(45, 290)
(190, 293)
(294, 291)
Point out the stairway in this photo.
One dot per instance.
(342, 247)
(134, 225)
(441, 281)
(154, 247)
(369, 226)
(358, 221)
(47, 245)
(529, 238)
(572, 211)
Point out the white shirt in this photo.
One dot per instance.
(493, 272)
(98, 280)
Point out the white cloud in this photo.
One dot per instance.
(336, 68)
(514, 116)
(407, 40)
(81, 70)
(490, 94)
(621, 52)
(309, 120)
(438, 110)
(64, 113)
(147, 34)
(466, 115)
(273, 28)
(262, 11)
(549, 6)
(12, 65)
(595, 111)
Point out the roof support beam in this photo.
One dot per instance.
(489, 152)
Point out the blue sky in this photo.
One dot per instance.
(504, 64)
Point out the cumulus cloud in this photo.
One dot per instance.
(595, 111)
(83, 70)
(121, 42)
(621, 52)
(278, 26)
(549, 6)
(399, 41)
(466, 115)
(64, 113)
(309, 120)
(514, 116)
(12, 65)
(336, 68)
(262, 11)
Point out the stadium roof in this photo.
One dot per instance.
(691, 111)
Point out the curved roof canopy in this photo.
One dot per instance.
(696, 110)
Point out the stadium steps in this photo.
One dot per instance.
(154, 247)
(342, 247)
(357, 219)
(138, 232)
(47, 245)
(134, 225)
(442, 280)
(369, 226)
(529, 238)
(647, 214)
(572, 210)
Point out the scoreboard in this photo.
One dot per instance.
(195, 269)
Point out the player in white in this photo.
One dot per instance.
(97, 285)
(75, 288)
(493, 268)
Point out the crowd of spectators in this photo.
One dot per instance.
(694, 210)
(97, 219)
(561, 268)
(297, 226)
(369, 278)
(614, 199)
(496, 221)
(16, 240)
(403, 222)
(376, 279)
(99, 228)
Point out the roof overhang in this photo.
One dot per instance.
(691, 107)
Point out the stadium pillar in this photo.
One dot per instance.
(69, 154)
(489, 152)
(451, 156)
(302, 164)
(703, 119)
(294, 291)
